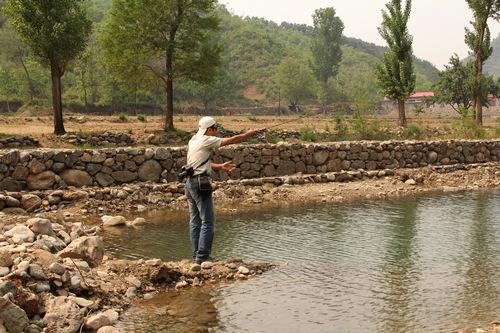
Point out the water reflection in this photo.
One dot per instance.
(428, 264)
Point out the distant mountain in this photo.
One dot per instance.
(492, 65)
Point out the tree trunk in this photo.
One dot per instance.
(8, 106)
(479, 103)
(31, 87)
(56, 74)
(169, 118)
(402, 114)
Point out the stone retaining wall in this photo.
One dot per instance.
(18, 142)
(57, 169)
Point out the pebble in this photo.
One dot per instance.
(207, 265)
(148, 296)
(36, 271)
(153, 262)
(133, 281)
(57, 268)
(243, 270)
(42, 287)
(82, 302)
(195, 268)
(4, 271)
(131, 292)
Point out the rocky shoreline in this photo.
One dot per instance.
(55, 277)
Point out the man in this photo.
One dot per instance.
(198, 188)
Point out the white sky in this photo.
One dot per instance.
(437, 26)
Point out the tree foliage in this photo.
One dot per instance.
(55, 32)
(162, 40)
(325, 47)
(479, 41)
(396, 75)
(296, 80)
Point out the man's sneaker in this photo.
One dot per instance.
(201, 261)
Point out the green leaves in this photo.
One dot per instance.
(55, 31)
(396, 74)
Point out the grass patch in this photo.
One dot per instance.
(414, 132)
(122, 117)
(141, 117)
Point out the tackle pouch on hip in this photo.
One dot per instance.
(204, 185)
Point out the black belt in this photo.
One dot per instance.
(200, 175)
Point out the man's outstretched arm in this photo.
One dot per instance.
(240, 137)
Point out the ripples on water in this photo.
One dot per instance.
(425, 265)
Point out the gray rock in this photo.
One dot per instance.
(5, 258)
(76, 178)
(320, 157)
(104, 179)
(206, 265)
(10, 185)
(41, 226)
(7, 287)
(14, 318)
(12, 202)
(21, 234)
(41, 181)
(97, 321)
(90, 249)
(115, 221)
(124, 176)
(57, 268)
(131, 292)
(4, 271)
(30, 202)
(63, 316)
(36, 271)
(150, 171)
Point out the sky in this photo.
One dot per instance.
(437, 26)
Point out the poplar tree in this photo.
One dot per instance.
(479, 41)
(325, 47)
(56, 32)
(396, 74)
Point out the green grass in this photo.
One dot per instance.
(141, 117)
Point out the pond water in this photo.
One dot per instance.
(425, 264)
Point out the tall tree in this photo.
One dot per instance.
(454, 85)
(396, 75)
(296, 80)
(479, 41)
(16, 51)
(325, 47)
(56, 32)
(162, 40)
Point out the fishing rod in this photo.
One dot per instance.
(280, 124)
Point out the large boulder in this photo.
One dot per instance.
(115, 221)
(30, 202)
(21, 173)
(62, 316)
(21, 234)
(41, 226)
(104, 179)
(89, 249)
(5, 258)
(14, 318)
(10, 185)
(41, 181)
(76, 178)
(150, 171)
(124, 176)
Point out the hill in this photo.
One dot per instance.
(492, 65)
(253, 49)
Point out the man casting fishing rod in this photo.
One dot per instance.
(198, 188)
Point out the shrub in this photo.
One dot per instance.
(367, 131)
(308, 134)
(340, 128)
(414, 131)
(141, 117)
(466, 127)
(122, 117)
(252, 118)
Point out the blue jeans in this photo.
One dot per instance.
(201, 219)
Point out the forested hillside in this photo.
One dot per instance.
(253, 48)
(492, 65)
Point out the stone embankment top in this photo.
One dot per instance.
(42, 169)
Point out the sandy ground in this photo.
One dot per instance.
(41, 128)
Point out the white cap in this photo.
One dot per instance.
(204, 124)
